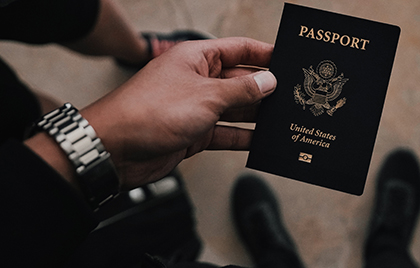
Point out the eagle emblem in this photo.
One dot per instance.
(322, 87)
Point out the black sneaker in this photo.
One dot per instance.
(396, 204)
(160, 42)
(259, 224)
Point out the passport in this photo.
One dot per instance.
(320, 124)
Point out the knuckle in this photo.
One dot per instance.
(248, 89)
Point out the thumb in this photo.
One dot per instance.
(266, 82)
(248, 89)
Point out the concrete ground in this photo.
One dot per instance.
(329, 227)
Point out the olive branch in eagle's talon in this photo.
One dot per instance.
(299, 96)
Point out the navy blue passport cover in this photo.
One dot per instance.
(320, 124)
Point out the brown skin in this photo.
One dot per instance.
(112, 35)
(169, 110)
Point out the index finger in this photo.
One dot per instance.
(233, 51)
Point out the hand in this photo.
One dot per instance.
(168, 111)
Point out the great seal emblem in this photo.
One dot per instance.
(322, 86)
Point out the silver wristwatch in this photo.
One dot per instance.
(97, 176)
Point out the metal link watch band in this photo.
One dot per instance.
(97, 176)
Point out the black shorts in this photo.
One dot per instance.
(47, 21)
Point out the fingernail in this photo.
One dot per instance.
(266, 81)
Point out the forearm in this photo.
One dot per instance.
(78, 147)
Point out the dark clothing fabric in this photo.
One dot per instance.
(46, 223)
(18, 106)
(46, 21)
(44, 220)
(162, 226)
(4, 3)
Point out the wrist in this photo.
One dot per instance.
(94, 171)
(105, 127)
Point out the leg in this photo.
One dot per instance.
(92, 27)
(395, 213)
(112, 35)
(258, 221)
